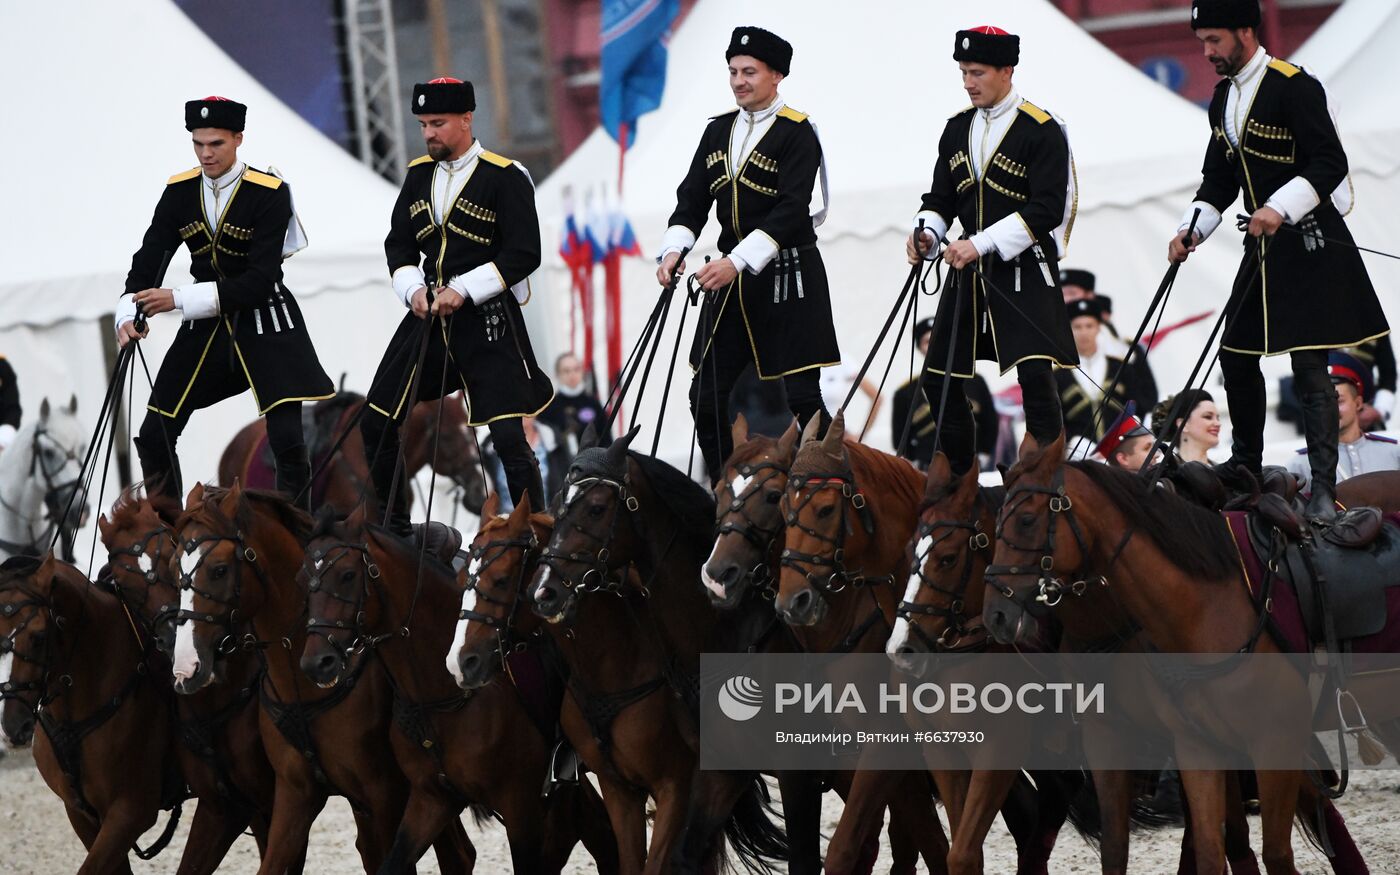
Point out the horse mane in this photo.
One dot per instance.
(1196, 540)
(291, 517)
(688, 502)
(866, 465)
(757, 445)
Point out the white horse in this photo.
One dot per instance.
(39, 481)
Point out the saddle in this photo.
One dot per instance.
(1343, 571)
(439, 540)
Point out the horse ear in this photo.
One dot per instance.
(589, 438)
(970, 483)
(835, 433)
(230, 503)
(1029, 447)
(940, 473)
(617, 453)
(740, 430)
(47, 570)
(44, 410)
(492, 507)
(788, 441)
(196, 496)
(521, 510)
(355, 522)
(73, 404)
(813, 429)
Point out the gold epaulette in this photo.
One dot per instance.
(493, 158)
(965, 109)
(792, 115)
(422, 159)
(1035, 112)
(266, 180)
(181, 177)
(1287, 69)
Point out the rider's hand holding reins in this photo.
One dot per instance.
(446, 301)
(128, 332)
(716, 274)
(670, 265)
(1179, 249)
(961, 253)
(419, 302)
(154, 301)
(916, 250)
(1265, 222)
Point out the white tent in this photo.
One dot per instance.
(879, 89)
(95, 124)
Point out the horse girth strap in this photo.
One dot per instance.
(293, 719)
(66, 736)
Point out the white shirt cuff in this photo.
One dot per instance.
(197, 300)
(481, 284)
(935, 225)
(676, 239)
(1384, 402)
(1206, 224)
(1294, 200)
(7, 434)
(754, 252)
(407, 280)
(1008, 237)
(125, 312)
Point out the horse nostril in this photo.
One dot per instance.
(802, 603)
(727, 576)
(469, 664)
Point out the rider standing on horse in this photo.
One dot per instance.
(242, 327)
(771, 304)
(1004, 171)
(464, 237)
(1273, 136)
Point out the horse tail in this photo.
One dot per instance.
(1082, 811)
(482, 815)
(756, 839)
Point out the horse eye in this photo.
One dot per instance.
(596, 510)
(948, 561)
(826, 511)
(773, 496)
(347, 575)
(1026, 520)
(218, 572)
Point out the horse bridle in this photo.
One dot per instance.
(1050, 589)
(224, 620)
(51, 492)
(760, 537)
(136, 550)
(595, 577)
(503, 628)
(958, 625)
(804, 563)
(322, 561)
(11, 689)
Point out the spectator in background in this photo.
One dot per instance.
(1100, 371)
(10, 411)
(1077, 284)
(1128, 442)
(1197, 419)
(574, 406)
(1360, 452)
(551, 453)
(1380, 403)
(919, 447)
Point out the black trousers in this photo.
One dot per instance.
(1040, 399)
(729, 353)
(160, 464)
(521, 467)
(1246, 394)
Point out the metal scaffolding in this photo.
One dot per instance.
(374, 86)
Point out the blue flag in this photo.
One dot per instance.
(633, 62)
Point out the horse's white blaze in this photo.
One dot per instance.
(900, 633)
(711, 584)
(540, 591)
(186, 661)
(460, 632)
(739, 484)
(573, 493)
(144, 563)
(189, 562)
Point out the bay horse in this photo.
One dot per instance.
(619, 586)
(344, 482)
(483, 751)
(220, 748)
(749, 537)
(239, 553)
(82, 670)
(40, 482)
(1181, 585)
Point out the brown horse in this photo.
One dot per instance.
(220, 747)
(748, 543)
(344, 481)
(483, 751)
(239, 554)
(619, 583)
(1180, 583)
(81, 669)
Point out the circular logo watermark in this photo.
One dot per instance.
(741, 698)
